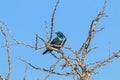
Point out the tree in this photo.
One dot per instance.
(78, 69)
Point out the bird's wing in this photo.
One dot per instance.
(54, 40)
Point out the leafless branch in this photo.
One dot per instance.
(45, 70)
(70, 49)
(89, 64)
(42, 39)
(19, 42)
(91, 32)
(116, 55)
(68, 62)
(2, 78)
(13, 44)
(8, 51)
(110, 48)
(36, 44)
(52, 68)
(12, 36)
(46, 29)
(25, 72)
(91, 49)
(52, 21)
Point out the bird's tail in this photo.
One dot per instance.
(45, 52)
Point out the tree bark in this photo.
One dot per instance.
(85, 76)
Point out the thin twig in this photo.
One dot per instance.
(91, 49)
(89, 64)
(42, 39)
(36, 44)
(13, 44)
(45, 70)
(46, 29)
(25, 72)
(69, 48)
(116, 55)
(8, 52)
(91, 32)
(110, 48)
(52, 21)
(52, 68)
(19, 42)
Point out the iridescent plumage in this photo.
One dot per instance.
(57, 42)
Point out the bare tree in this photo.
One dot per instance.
(79, 70)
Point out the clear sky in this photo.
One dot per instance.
(26, 18)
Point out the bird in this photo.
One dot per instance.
(57, 42)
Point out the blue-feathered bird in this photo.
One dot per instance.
(57, 42)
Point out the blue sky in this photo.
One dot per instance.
(26, 18)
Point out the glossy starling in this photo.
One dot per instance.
(57, 42)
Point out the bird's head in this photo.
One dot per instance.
(59, 34)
